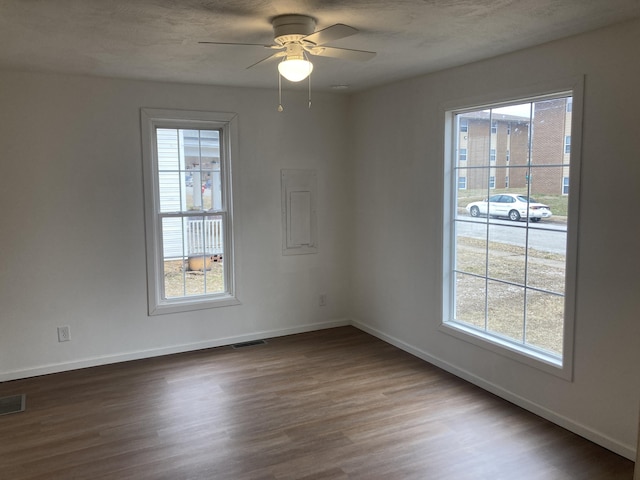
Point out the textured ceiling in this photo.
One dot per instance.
(158, 39)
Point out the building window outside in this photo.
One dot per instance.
(507, 273)
(462, 183)
(188, 209)
(567, 144)
(494, 127)
(464, 125)
(492, 155)
(463, 154)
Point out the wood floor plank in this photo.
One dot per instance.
(335, 404)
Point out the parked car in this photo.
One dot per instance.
(511, 206)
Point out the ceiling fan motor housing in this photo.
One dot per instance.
(291, 28)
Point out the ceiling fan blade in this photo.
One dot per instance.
(270, 57)
(343, 53)
(330, 34)
(245, 44)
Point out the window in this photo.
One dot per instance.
(464, 125)
(494, 127)
(508, 156)
(188, 209)
(567, 144)
(509, 258)
(492, 155)
(506, 181)
(462, 183)
(463, 154)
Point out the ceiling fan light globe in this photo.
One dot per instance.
(295, 70)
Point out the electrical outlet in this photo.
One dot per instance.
(64, 333)
(323, 299)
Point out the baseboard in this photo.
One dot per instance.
(157, 352)
(605, 441)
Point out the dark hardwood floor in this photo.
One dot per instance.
(332, 404)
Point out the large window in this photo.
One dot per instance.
(188, 214)
(509, 273)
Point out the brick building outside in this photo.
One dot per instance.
(508, 151)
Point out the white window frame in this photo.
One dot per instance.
(152, 119)
(562, 368)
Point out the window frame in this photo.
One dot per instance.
(447, 111)
(151, 119)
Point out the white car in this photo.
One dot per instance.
(511, 206)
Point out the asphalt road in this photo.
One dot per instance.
(544, 235)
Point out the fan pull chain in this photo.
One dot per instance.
(309, 90)
(280, 107)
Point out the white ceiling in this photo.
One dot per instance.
(158, 39)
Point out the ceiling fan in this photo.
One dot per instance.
(295, 38)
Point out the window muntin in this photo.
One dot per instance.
(507, 279)
(187, 164)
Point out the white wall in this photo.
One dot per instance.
(72, 246)
(396, 269)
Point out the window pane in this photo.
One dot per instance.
(545, 186)
(507, 253)
(477, 140)
(171, 193)
(550, 124)
(545, 321)
(475, 189)
(471, 248)
(470, 300)
(211, 190)
(193, 255)
(168, 149)
(547, 260)
(505, 310)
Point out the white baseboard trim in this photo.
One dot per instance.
(605, 441)
(157, 352)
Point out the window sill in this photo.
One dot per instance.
(191, 304)
(533, 358)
